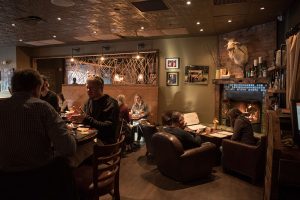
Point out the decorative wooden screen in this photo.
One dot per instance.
(116, 69)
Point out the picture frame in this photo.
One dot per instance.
(195, 74)
(172, 63)
(172, 79)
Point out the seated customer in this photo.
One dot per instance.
(124, 111)
(174, 124)
(242, 128)
(139, 109)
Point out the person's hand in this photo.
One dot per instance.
(78, 118)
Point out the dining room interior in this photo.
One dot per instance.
(205, 57)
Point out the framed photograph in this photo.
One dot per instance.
(172, 78)
(172, 63)
(196, 74)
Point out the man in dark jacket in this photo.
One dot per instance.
(100, 111)
(48, 95)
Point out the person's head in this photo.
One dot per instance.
(94, 86)
(233, 114)
(138, 99)
(46, 85)
(177, 119)
(74, 80)
(166, 118)
(121, 99)
(61, 97)
(27, 80)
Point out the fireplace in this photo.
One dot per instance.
(248, 98)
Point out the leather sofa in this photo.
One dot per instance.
(248, 160)
(179, 164)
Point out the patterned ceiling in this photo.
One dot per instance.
(35, 21)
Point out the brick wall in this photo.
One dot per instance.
(260, 41)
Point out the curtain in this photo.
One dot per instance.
(293, 68)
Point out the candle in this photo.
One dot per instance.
(260, 60)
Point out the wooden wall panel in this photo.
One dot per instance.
(76, 95)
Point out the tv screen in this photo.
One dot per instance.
(295, 103)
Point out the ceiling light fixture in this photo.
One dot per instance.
(74, 49)
(20, 40)
(262, 8)
(13, 25)
(104, 48)
(95, 32)
(58, 18)
(198, 23)
(229, 21)
(139, 46)
(142, 28)
(188, 3)
(54, 36)
(201, 30)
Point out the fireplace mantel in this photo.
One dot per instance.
(240, 81)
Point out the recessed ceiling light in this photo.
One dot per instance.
(229, 21)
(54, 36)
(188, 2)
(142, 28)
(198, 23)
(13, 24)
(95, 32)
(201, 30)
(262, 8)
(20, 40)
(58, 18)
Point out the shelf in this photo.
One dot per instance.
(240, 81)
(275, 68)
(272, 91)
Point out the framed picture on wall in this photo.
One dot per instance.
(172, 78)
(196, 74)
(172, 63)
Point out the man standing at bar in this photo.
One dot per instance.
(34, 139)
(100, 111)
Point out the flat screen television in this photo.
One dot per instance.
(295, 103)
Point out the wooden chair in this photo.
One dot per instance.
(103, 176)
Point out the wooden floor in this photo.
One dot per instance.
(140, 179)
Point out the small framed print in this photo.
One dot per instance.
(172, 78)
(172, 63)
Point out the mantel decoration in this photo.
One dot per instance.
(172, 63)
(172, 78)
(238, 53)
(196, 74)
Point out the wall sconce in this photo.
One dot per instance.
(104, 48)
(76, 50)
(139, 46)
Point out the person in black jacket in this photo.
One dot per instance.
(48, 95)
(174, 124)
(100, 111)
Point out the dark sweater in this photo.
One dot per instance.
(242, 131)
(103, 114)
(52, 99)
(187, 140)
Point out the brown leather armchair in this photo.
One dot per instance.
(248, 160)
(182, 165)
(148, 131)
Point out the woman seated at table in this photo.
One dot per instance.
(139, 109)
(242, 128)
(174, 124)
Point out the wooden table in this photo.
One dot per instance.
(85, 144)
